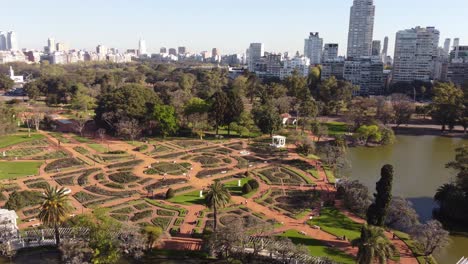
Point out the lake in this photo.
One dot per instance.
(419, 164)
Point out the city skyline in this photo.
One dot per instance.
(206, 24)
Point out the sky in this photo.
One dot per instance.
(229, 25)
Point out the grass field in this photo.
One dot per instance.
(330, 175)
(98, 147)
(188, 198)
(9, 170)
(334, 222)
(233, 188)
(317, 248)
(6, 141)
(336, 128)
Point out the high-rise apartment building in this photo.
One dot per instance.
(12, 43)
(456, 48)
(313, 48)
(101, 50)
(361, 28)
(51, 45)
(142, 47)
(172, 51)
(181, 50)
(416, 50)
(367, 73)
(447, 47)
(214, 52)
(163, 50)
(330, 52)
(385, 48)
(254, 54)
(376, 47)
(61, 47)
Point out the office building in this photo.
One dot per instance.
(102, 50)
(51, 45)
(361, 28)
(181, 50)
(330, 52)
(376, 47)
(333, 67)
(173, 52)
(254, 53)
(447, 47)
(214, 52)
(3, 40)
(313, 48)
(61, 47)
(367, 73)
(142, 47)
(416, 51)
(12, 43)
(457, 73)
(162, 50)
(456, 48)
(385, 48)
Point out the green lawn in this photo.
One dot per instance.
(81, 139)
(59, 136)
(330, 175)
(6, 141)
(317, 248)
(9, 170)
(334, 222)
(188, 198)
(413, 246)
(98, 147)
(233, 188)
(314, 173)
(336, 128)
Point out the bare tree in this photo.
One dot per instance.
(401, 215)
(129, 128)
(431, 236)
(79, 125)
(36, 120)
(101, 132)
(403, 108)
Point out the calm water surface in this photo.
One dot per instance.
(419, 163)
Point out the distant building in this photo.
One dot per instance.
(268, 66)
(172, 51)
(459, 53)
(385, 48)
(3, 41)
(12, 43)
(376, 47)
(333, 68)
(457, 73)
(142, 47)
(367, 73)
(181, 50)
(254, 53)
(233, 59)
(361, 28)
(101, 49)
(447, 47)
(51, 48)
(299, 64)
(8, 224)
(162, 50)
(61, 47)
(330, 52)
(416, 51)
(313, 48)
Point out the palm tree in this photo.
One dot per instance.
(54, 209)
(373, 245)
(217, 197)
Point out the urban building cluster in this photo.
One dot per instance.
(367, 64)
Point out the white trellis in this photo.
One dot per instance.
(278, 141)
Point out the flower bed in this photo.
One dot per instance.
(209, 173)
(114, 185)
(53, 155)
(162, 212)
(22, 152)
(38, 185)
(65, 181)
(169, 168)
(120, 217)
(161, 184)
(188, 143)
(162, 222)
(81, 150)
(123, 177)
(178, 221)
(62, 164)
(182, 211)
(31, 212)
(207, 161)
(141, 215)
(125, 210)
(83, 178)
(282, 175)
(97, 190)
(141, 206)
(170, 156)
(22, 199)
(131, 163)
(83, 197)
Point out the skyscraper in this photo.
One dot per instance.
(330, 52)
(181, 50)
(163, 50)
(51, 45)
(255, 52)
(376, 46)
(416, 50)
(361, 28)
(385, 47)
(12, 43)
(3, 40)
(447, 47)
(456, 47)
(142, 47)
(101, 50)
(313, 48)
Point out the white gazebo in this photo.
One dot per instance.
(278, 141)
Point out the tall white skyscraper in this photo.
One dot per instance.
(330, 52)
(3, 40)
(447, 47)
(12, 43)
(142, 47)
(361, 28)
(416, 50)
(51, 45)
(313, 48)
(254, 53)
(456, 47)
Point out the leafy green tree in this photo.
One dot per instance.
(54, 209)
(6, 83)
(334, 94)
(460, 164)
(219, 108)
(82, 99)
(446, 104)
(373, 246)
(234, 109)
(368, 133)
(314, 78)
(296, 84)
(246, 188)
(8, 116)
(378, 210)
(403, 109)
(170, 193)
(165, 118)
(253, 83)
(216, 198)
(187, 81)
(196, 114)
(266, 117)
(152, 234)
(239, 85)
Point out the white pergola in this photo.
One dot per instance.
(278, 141)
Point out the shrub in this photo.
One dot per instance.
(38, 185)
(162, 222)
(19, 200)
(246, 188)
(123, 177)
(170, 194)
(141, 215)
(116, 152)
(254, 184)
(179, 221)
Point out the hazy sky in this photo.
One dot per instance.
(229, 25)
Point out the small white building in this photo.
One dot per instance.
(278, 141)
(16, 79)
(8, 225)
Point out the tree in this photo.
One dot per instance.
(319, 130)
(79, 124)
(82, 99)
(164, 115)
(196, 112)
(401, 215)
(235, 107)
(368, 134)
(153, 234)
(7, 119)
(378, 210)
(266, 117)
(254, 184)
(355, 196)
(170, 193)
(360, 111)
(446, 103)
(373, 246)
(75, 251)
(54, 209)
(246, 188)
(431, 237)
(305, 147)
(6, 83)
(334, 94)
(129, 128)
(460, 164)
(101, 132)
(403, 108)
(218, 109)
(216, 198)
(385, 111)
